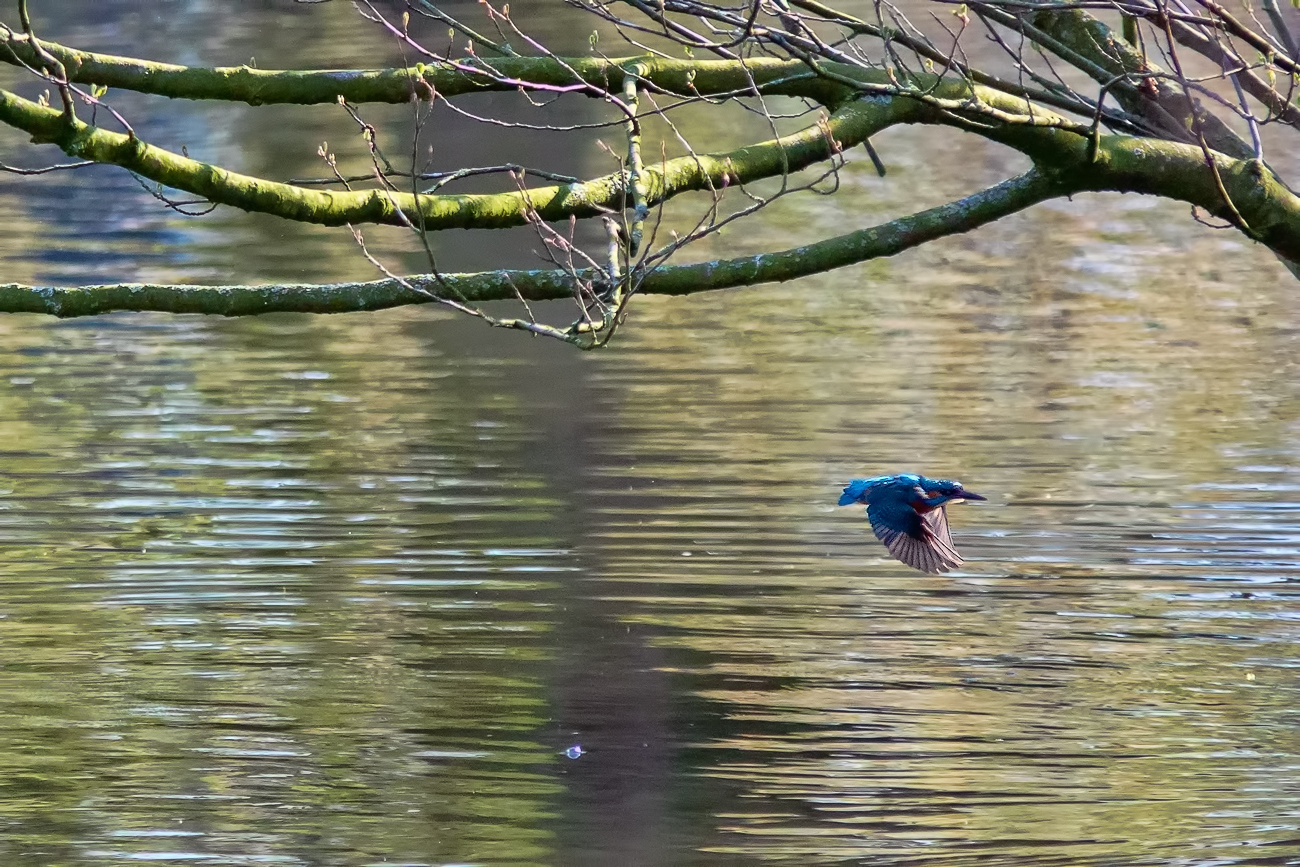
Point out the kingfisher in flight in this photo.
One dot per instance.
(907, 513)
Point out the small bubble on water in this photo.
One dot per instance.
(574, 751)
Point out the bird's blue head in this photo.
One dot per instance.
(940, 492)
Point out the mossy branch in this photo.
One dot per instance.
(536, 285)
(1122, 163)
(850, 125)
(450, 78)
(1167, 106)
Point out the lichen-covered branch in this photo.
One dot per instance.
(1166, 105)
(450, 78)
(1122, 163)
(850, 125)
(536, 285)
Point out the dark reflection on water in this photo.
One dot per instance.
(1112, 680)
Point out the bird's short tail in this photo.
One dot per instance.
(855, 492)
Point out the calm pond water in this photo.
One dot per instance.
(391, 589)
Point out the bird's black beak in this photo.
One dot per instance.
(967, 495)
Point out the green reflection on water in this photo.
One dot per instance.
(250, 612)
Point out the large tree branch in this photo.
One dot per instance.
(1152, 91)
(889, 239)
(450, 78)
(845, 128)
(1121, 163)
(1244, 191)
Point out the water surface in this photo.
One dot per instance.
(396, 589)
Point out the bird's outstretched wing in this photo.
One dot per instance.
(921, 541)
(940, 539)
